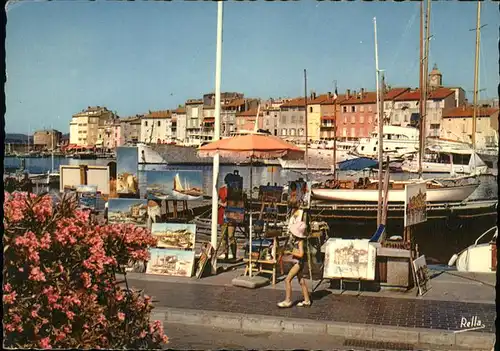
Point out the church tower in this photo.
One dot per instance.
(435, 78)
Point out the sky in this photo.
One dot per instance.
(63, 56)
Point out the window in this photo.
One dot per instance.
(145, 123)
(301, 132)
(294, 119)
(292, 131)
(370, 119)
(353, 119)
(361, 108)
(344, 132)
(310, 109)
(301, 119)
(361, 118)
(267, 122)
(283, 120)
(353, 132)
(283, 132)
(345, 119)
(344, 108)
(353, 108)
(159, 124)
(370, 108)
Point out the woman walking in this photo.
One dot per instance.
(297, 256)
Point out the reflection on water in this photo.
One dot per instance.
(262, 175)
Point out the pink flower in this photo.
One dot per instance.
(7, 287)
(34, 313)
(37, 275)
(9, 327)
(16, 318)
(142, 335)
(60, 336)
(121, 316)
(70, 315)
(44, 343)
(8, 299)
(86, 280)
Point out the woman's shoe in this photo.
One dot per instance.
(285, 304)
(304, 304)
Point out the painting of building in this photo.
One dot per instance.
(415, 204)
(128, 211)
(127, 159)
(349, 259)
(175, 235)
(171, 262)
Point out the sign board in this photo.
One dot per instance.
(71, 178)
(349, 259)
(422, 278)
(415, 204)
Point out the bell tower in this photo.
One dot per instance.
(435, 78)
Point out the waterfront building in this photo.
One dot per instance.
(179, 124)
(208, 122)
(321, 115)
(110, 135)
(457, 125)
(84, 125)
(47, 139)
(228, 115)
(194, 117)
(292, 120)
(156, 127)
(246, 120)
(271, 115)
(406, 109)
(358, 115)
(131, 129)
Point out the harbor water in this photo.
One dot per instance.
(437, 239)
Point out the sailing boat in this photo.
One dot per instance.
(178, 189)
(366, 191)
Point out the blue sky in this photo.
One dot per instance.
(116, 205)
(63, 56)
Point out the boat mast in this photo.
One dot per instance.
(426, 71)
(335, 132)
(421, 84)
(256, 124)
(476, 72)
(306, 129)
(215, 169)
(380, 129)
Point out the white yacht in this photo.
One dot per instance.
(397, 141)
(447, 160)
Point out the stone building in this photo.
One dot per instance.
(179, 124)
(131, 129)
(358, 115)
(156, 127)
(292, 120)
(47, 139)
(84, 125)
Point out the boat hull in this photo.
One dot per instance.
(477, 259)
(449, 194)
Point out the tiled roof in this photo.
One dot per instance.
(413, 95)
(236, 103)
(297, 102)
(159, 114)
(179, 110)
(395, 92)
(250, 113)
(464, 112)
(325, 100)
(194, 102)
(368, 97)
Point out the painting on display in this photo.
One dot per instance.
(422, 275)
(127, 181)
(270, 193)
(174, 185)
(87, 196)
(235, 215)
(157, 211)
(205, 256)
(299, 193)
(174, 235)
(171, 262)
(349, 259)
(415, 204)
(131, 211)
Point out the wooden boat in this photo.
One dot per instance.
(349, 191)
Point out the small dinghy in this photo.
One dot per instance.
(478, 258)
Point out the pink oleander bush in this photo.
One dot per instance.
(60, 289)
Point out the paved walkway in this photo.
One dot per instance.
(374, 310)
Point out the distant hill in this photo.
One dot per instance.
(17, 138)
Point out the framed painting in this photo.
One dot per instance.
(126, 170)
(128, 211)
(171, 262)
(174, 185)
(175, 235)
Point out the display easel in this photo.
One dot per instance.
(260, 265)
(175, 209)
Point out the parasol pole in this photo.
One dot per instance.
(380, 128)
(215, 170)
(250, 226)
(307, 122)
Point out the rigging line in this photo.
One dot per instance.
(409, 25)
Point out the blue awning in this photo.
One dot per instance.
(357, 164)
